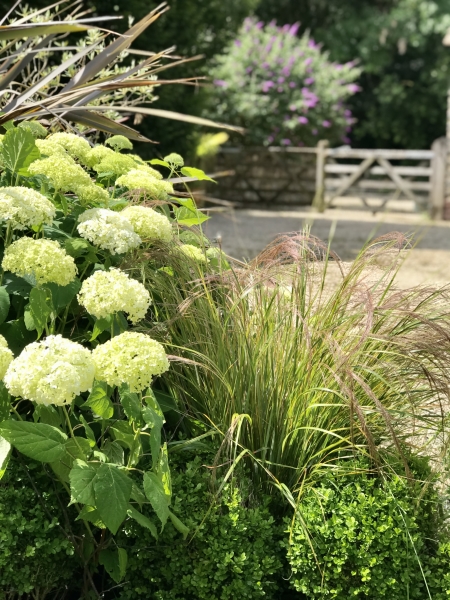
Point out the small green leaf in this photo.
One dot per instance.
(143, 521)
(157, 161)
(115, 563)
(100, 326)
(137, 495)
(91, 514)
(164, 471)
(4, 304)
(112, 488)
(77, 247)
(197, 173)
(78, 448)
(82, 477)
(5, 402)
(19, 150)
(17, 335)
(88, 431)
(18, 286)
(36, 440)
(62, 296)
(40, 308)
(154, 418)
(154, 490)
(181, 527)
(130, 402)
(5, 453)
(114, 452)
(47, 414)
(99, 402)
(185, 216)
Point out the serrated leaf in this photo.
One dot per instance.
(19, 150)
(112, 488)
(36, 440)
(4, 304)
(5, 453)
(137, 495)
(99, 402)
(181, 527)
(130, 402)
(40, 308)
(115, 563)
(114, 452)
(76, 247)
(5, 402)
(197, 173)
(47, 414)
(78, 448)
(143, 521)
(185, 216)
(91, 514)
(164, 471)
(82, 477)
(154, 490)
(62, 296)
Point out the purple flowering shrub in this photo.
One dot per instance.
(282, 88)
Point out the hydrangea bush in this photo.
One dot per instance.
(282, 89)
(75, 390)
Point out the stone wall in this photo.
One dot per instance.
(266, 176)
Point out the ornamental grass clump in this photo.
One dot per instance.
(75, 383)
(305, 361)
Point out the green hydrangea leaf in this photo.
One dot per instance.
(115, 563)
(156, 494)
(99, 402)
(197, 173)
(82, 477)
(4, 304)
(143, 521)
(19, 150)
(112, 488)
(36, 440)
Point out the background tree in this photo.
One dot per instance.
(399, 44)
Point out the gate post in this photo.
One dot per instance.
(319, 198)
(439, 178)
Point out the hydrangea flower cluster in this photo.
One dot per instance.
(148, 224)
(140, 179)
(6, 356)
(119, 142)
(108, 230)
(282, 88)
(131, 358)
(53, 371)
(23, 208)
(193, 252)
(108, 292)
(76, 146)
(44, 259)
(63, 172)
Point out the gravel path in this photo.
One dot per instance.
(244, 233)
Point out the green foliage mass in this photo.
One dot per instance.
(36, 554)
(233, 549)
(406, 67)
(371, 539)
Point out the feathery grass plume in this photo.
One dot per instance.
(343, 363)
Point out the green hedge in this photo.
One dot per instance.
(233, 549)
(371, 539)
(35, 553)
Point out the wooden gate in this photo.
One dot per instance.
(377, 176)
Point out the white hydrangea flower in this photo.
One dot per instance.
(193, 252)
(119, 142)
(44, 259)
(49, 147)
(63, 172)
(23, 207)
(76, 146)
(108, 230)
(105, 160)
(141, 179)
(92, 193)
(53, 371)
(132, 358)
(107, 292)
(149, 224)
(6, 356)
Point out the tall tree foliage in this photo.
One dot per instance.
(399, 44)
